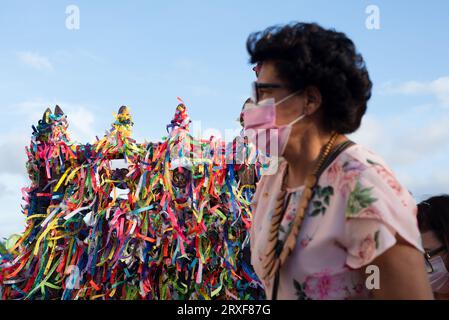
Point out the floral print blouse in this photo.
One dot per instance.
(356, 212)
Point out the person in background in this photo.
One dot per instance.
(333, 208)
(433, 221)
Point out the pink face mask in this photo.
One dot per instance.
(439, 278)
(261, 128)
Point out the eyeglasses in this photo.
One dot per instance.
(256, 86)
(428, 255)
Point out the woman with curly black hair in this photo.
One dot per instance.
(332, 222)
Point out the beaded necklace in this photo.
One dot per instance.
(277, 251)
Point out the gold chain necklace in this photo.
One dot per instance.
(274, 259)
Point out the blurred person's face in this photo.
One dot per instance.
(435, 248)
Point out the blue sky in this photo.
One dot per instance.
(146, 53)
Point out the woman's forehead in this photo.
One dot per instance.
(267, 73)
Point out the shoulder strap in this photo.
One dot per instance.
(332, 156)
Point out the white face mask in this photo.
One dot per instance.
(439, 278)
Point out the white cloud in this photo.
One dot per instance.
(35, 60)
(426, 186)
(13, 175)
(81, 121)
(415, 147)
(439, 88)
(11, 218)
(12, 150)
(371, 134)
(3, 189)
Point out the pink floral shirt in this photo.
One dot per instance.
(354, 216)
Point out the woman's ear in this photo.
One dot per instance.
(313, 100)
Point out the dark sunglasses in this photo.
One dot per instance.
(256, 86)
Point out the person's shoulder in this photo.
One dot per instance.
(368, 159)
(363, 155)
(363, 159)
(376, 173)
(359, 163)
(352, 162)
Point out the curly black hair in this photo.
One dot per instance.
(306, 54)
